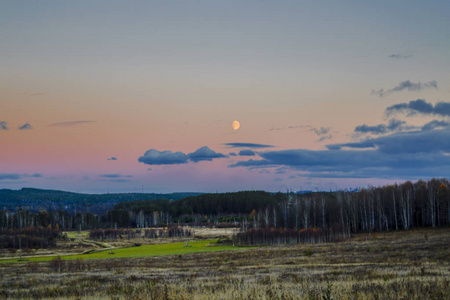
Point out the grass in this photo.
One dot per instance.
(143, 251)
(412, 264)
(75, 234)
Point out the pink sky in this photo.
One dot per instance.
(105, 80)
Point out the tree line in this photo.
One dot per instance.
(342, 213)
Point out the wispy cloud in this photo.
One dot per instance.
(321, 131)
(120, 180)
(16, 176)
(3, 125)
(114, 175)
(406, 85)
(399, 56)
(247, 145)
(112, 158)
(71, 123)
(25, 126)
(37, 94)
(435, 124)
(393, 125)
(9, 176)
(247, 152)
(420, 106)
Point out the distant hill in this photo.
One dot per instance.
(37, 200)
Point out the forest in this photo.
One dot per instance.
(267, 218)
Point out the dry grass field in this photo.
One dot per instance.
(396, 265)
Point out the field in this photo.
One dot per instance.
(162, 249)
(410, 265)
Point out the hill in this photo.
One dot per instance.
(37, 199)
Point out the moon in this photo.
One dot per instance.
(236, 125)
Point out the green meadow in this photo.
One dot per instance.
(142, 251)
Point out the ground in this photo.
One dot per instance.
(406, 264)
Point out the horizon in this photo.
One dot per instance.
(167, 97)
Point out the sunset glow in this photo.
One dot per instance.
(329, 94)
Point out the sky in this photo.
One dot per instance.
(140, 96)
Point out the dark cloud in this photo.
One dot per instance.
(3, 125)
(232, 154)
(114, 175)
(420, 106)
(247, 145)
(112, 158)
(25, 126)
(71, 123)
(406, 85)
(405, 142)
(204, 153)
(393, 125)
(155, 157)
(399, 155)
(399, 56)
(251, 163)
(247, 153)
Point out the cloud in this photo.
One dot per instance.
(405, 142)
(393, 125)
(420, 106)
(25, 126)
(247, 145)
(406, 85)
(321, 131)
(289, 127)
(399, 56)
(120, 180)
(71, 123)
(3, 125)
(35, 175)
(399, 155)
(247, 153)
(8, 176)
(204, 153)
(112, 158)
(155, 157)
(325, 137)
(232, 154)
(15, 176)
(114, 175)
(435, 124)
(251, 163)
